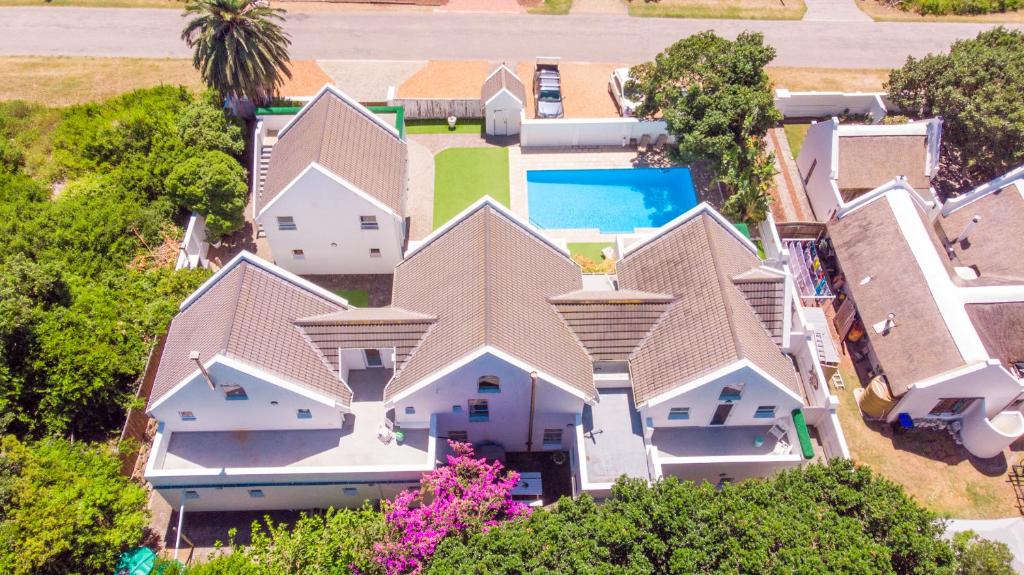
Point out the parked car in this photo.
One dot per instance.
(617, 88)
(547, 89)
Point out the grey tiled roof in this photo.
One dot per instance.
(249, 314)
(346, 140)
(710, 325)
(998, 255)
(866, 162)
(610, 324)
(366, 328)
(766, 294)
(487, 279)
(502, 78)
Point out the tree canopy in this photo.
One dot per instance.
(65, 508)
(976, 88)
(715, 98)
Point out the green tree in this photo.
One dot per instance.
(976, 89)
(65, 508)
(240, 48)
(203, 125)
(976, 556)
(214, 185)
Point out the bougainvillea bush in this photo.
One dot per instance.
(467, 497)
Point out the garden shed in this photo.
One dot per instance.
(503, 97)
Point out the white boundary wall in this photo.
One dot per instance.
(587, 132)
(194, 247)
(826, 104)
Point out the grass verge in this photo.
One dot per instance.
(795, 134)
(179, 4)
(828, 79)
(550, 7)
(356, 297)
(883, 13)
(441, 127)
(725, 9)
(63, 81)
(464, 175)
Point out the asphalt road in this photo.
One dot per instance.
(426, 35)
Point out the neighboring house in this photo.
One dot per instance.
(839, 162)
(687, 369)
(503, 98)
(940, 292)
(331, 190)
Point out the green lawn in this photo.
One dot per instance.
(551, 7)
(468, 126)
(464, 175)
(590, 250)
(356, 297)
(796, 133)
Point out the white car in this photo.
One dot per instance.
(617, 88)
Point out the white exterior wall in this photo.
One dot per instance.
(588, 131)
(311, 496)
(194, 247)
(821, 149)
(703, 401)
(509, 410)
(356, 359)
(215, 413)
(988, 380)
(828, 104)
(326, 211)
(503, 115)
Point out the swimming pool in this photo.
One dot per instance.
(615, 201)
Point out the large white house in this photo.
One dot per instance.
(939, 289)
(274, 394)
(331, 188)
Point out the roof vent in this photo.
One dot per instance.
(968, 228)
(884, 327)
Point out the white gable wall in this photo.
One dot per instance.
(503, 114)
(819, 167)
(509, 409)
(327, 212)
(215, 413)
(703, 400)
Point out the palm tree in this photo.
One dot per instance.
(240, 48)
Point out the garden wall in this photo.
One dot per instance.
(430, 108)
(587, 132)
(828, 104)
(194, 247)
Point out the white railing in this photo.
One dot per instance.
(194, 248)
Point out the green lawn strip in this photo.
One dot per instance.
(464, 175)
(356, 297)
(590, 250)
(551, 7)
(796, 133)
(468, 126)
(651, 10)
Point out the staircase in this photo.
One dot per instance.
(265, 151)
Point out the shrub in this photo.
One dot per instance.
(214, 185)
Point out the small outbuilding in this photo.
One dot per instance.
(503, 97)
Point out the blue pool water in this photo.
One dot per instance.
(614, 201)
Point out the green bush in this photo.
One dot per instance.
(214, 185)
(958, 7)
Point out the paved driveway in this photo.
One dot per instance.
(459, 36)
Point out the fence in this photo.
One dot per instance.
(194, 248)
(426, 108)
(137, 421)
(827, 104)
(588, 132)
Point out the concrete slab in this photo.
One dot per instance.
(369, 80)
(613, 437)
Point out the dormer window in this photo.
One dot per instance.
(234, 392)
(731, 392)
(488, 384)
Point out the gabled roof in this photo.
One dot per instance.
(765, 290)
(995, 246)
(503, 78)
(487, 277)
(710, 325)
(867, 161)
(349, 141)
(366, 328)
(611, 323)
(247, 311)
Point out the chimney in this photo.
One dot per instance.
(967, 229)
(194, 356)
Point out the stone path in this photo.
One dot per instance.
(420, 202)
(835, 11)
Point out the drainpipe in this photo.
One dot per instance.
(533, 397)
(181, 522)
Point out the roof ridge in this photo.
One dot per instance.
(654, 326)
(228, 337)
(488, 213)
(724, 283)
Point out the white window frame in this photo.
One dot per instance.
(286, 224)
(368, 223)
(552, 431)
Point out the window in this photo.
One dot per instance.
(679, 413)
(304, 414)
(731, 392)
(350, 491)
(234, 392)
(187, 415)
(953, 406)
(368, 223)
(488, 384)
(373, 358)
(410, 410)
(460, 436)
(479, 410)
(256, 493)
(374, 252)
(765, 412)
(298, 255)
(456, 409)
(286, 224)
(553, 438)
(189, 494)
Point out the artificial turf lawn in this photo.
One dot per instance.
(464, 175)
(356, 297)
(441, 127)
(796, 133)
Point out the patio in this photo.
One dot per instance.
(613, 441)
(715, 441)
